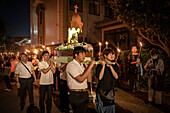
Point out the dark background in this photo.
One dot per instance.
(16, 14)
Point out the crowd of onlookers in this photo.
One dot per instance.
(8, 63)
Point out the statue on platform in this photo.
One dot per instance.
(75, 27)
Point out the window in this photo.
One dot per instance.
(114, 37)
(108, 10)
(94, 7)
(41, 17)
(79, 4)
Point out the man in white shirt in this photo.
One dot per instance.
(77, 78)
(47, 69)
(24, 80)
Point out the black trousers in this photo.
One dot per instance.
(64, 103)
(134, 81)
(26, 84)
(43, 89)
(79, 101)
(12, 77)
(7, 82)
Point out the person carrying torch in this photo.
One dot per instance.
(133, 70)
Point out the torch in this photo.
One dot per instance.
(139, 66)
(140, 47)
(118, 54)
(106, 44)
(100, 48)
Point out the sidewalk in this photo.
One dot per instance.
(126, 102)
(9, 101)
(135, 102)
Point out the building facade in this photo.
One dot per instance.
(50, 22)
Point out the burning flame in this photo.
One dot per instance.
(35, 51)
(27, 50)
(100, 43)
(118, 50)
(106, 43)
(43, 46)
(48, 48)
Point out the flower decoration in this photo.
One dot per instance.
(70, 47)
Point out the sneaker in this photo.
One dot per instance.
(9, 89)
(6, 89)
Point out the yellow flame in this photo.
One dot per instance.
(48, 48)
(43, 46)
(140, 43)
(100, 43)
(118, 50)
(35, 51)
(106, 43)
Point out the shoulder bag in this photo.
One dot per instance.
(28, 70)
(107, 97)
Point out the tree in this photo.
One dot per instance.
(149, 18)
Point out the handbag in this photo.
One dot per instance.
(28, 71)
(107, 97)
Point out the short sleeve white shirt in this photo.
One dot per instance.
(45, 79)
(63, 75)
(74, 69)
(22, 71)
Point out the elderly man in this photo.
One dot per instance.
(23, 73)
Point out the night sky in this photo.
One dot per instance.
(16, 14)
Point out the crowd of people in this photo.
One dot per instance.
(73, 78)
